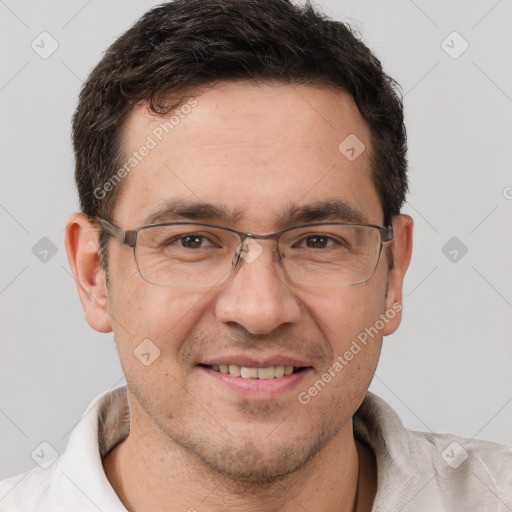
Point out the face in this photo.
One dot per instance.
(258, 152)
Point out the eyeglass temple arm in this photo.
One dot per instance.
(387, 233)
(125, 237)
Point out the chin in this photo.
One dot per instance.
(246, 464)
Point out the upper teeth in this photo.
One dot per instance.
(253, 373)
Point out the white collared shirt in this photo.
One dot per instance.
(416, 471)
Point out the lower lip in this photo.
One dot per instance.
(259, 388)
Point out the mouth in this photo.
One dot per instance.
(247, 372)
(256, 376)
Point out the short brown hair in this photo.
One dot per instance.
(186, 44)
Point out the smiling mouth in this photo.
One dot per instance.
(254, 373)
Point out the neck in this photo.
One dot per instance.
(150, 472)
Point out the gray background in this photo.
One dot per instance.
(448, 369)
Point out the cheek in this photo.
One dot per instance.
(165, 316)
(349, 319)
(152, 325)
(342, 314)
(345, 319)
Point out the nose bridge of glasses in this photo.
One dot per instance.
(252, 246)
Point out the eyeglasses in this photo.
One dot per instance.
(196, 255)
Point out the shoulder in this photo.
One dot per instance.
(28, 491)
(465, 471)
(431, 471)
(462, 457)
(455, 450)
(75, 480)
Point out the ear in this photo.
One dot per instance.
(402, 250)
(82, 247)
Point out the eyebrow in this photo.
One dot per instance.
(175, 210)
(178, 210)
(334, 209)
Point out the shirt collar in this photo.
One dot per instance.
(404, 466)
(83, 483)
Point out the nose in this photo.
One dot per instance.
(257, 297)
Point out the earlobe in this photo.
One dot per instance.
(402, 251)
(82, 250)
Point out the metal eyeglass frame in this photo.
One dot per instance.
(129, 237)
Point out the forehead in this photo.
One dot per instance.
(255, 150)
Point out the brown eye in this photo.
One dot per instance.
(316, 242)
(191, 241)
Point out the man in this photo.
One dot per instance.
(241, 168)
